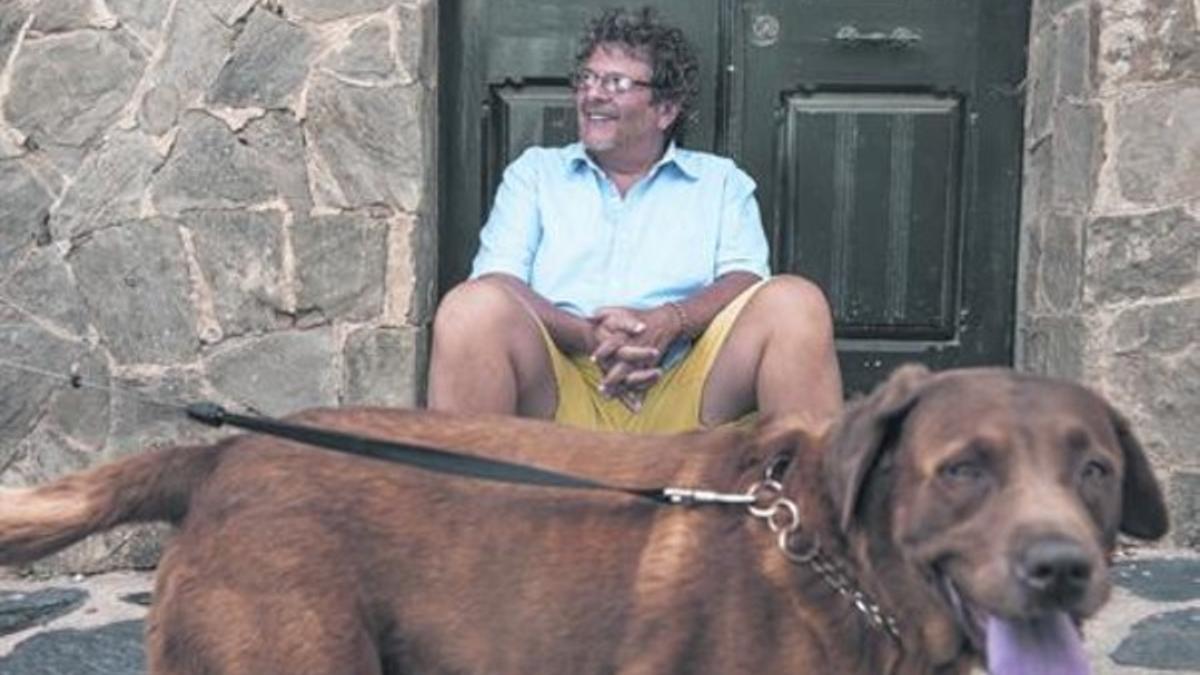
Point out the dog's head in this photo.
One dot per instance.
(1003, 494)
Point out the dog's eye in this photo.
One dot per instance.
(1095, 470)
(968, 470)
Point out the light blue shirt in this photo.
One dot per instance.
(559, 224)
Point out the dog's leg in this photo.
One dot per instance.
(278, 609)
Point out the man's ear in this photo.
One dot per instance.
(668, 112)
(1143, 510)
(859, 438)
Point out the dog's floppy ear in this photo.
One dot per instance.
(1143, 511)
(859, 437)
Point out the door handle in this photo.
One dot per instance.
(899, 38)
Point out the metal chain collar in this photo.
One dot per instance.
(783, 517)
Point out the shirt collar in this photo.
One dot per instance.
(681, 159)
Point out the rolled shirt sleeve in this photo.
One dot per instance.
(510, 238)
(742, 244)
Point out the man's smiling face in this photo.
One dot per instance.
(629, 126)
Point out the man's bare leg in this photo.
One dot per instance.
(489, 355)
(779, 355)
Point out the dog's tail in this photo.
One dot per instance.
(153, 486)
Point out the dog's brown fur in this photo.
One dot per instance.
(290, 559)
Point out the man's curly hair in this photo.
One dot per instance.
(675, 71)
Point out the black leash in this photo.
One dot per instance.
(421, 456)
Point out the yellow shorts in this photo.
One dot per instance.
(671, 405)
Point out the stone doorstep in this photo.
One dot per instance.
(1151, 624)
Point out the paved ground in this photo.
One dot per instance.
(92, 626)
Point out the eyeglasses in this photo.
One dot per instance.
(611, 83)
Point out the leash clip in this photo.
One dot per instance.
(689, 496)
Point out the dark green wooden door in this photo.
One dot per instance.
(885, 137)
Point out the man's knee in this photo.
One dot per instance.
(475, 305)
(790, 298)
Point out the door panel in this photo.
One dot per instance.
(516, 117)
(879, 173)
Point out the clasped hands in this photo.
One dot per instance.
(628, 345)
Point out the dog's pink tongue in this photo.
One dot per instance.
(1045, 646)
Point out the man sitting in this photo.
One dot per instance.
(621, 281)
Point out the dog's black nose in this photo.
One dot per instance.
(1057, 570)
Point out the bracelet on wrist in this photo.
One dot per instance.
(685, 323)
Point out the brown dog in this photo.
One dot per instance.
(957, 514)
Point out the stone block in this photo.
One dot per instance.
(1183, 495)
(55, 16)
(371, 141)
(195, 48)
(112, 649)
(147, 411)
(1163, 328)
(25, 343)
(1076, 54)
(323, 10)
(42, 456)
(1158, 146)
(24, 207)
(1040, 80)
(123, 548)
(418, 41)
(1029, 289)
(240, 255)
(366, 55)
(1162, 642)
(108, 187)
(209, 169)
(1055, 346)
(1037, 184)
(159, 110)
(1160, 580)
(277, 142)
(81, 414)
(1061, 273)
(279, 373)
(340, 265)
(1161, 395)
(145, 17)
(13, 16)
(68, 88)
(135, 282)
(422, 242)
(386, 366)
(268, 65)
(1078, 130)
(1145, 256)
(43, 287)
(229, 11)
(1049, 10)
(1149, 41)
(19, 611)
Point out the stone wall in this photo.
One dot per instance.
(207, 199)
(1111, 238)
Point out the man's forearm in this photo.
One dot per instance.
(698, 310)
(570, 332)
